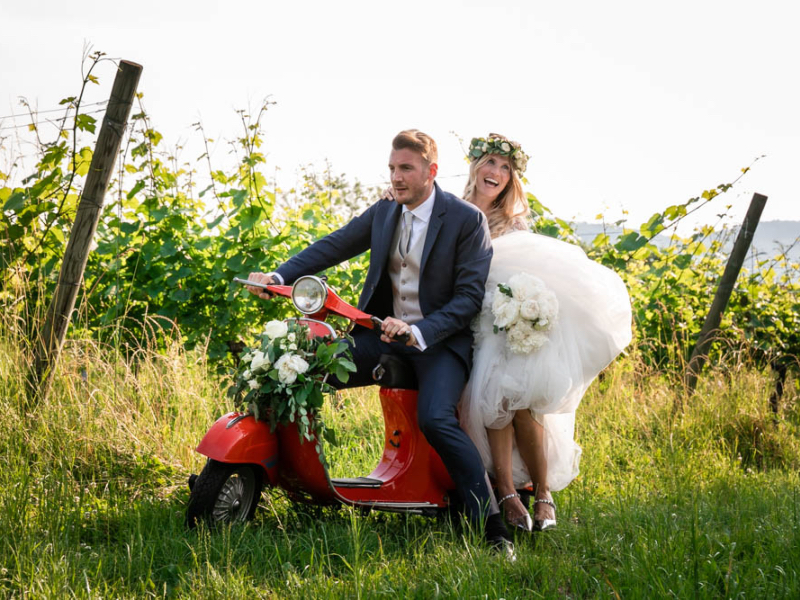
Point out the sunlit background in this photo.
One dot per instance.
(622, 105)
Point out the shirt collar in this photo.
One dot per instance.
(423, 211)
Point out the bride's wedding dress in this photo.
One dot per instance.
(593, 327)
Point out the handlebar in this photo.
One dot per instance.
(368, 320)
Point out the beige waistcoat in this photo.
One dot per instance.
(404, 274)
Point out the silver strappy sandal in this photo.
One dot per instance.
(544, 524)
(523, 522)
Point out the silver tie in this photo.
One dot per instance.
(405, 235)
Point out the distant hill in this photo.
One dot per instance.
(771, 235)
(769, 238)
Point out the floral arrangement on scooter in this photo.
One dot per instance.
(283, 378)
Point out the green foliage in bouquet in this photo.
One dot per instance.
(283, 378)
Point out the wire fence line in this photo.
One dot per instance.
(49, 122)
(67, 107)
(52, 110)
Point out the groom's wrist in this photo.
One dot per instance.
(418, 337)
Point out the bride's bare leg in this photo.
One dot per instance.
(530, 443)
(500, 444)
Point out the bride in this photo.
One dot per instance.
(531, 369)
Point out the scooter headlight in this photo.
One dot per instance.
(309, 294)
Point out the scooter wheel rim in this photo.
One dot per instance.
(235, 497)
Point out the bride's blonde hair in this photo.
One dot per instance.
(510, 209)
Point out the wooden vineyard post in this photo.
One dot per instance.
(724, 289)
(50, 338)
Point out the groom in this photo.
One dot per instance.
(430, 255)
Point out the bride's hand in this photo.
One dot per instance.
(388, 194)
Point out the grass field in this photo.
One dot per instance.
(703, 502)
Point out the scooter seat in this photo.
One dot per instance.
(394, 371)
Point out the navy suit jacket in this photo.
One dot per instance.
(455, 264)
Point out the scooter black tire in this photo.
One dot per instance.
(223, 493)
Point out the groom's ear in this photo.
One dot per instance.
(434, 169)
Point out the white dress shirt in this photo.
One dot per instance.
(419, 225)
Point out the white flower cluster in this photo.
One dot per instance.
(289, 365)
(525, 308)
(499, 145)
(276, 329)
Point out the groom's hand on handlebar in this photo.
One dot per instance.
(392, 327)
(260, 278)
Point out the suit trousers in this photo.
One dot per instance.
(442, 376)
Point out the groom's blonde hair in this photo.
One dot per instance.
(419, 142)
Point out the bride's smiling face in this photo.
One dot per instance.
(492, 177)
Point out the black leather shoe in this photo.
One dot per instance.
(497, 536)
(502, 546)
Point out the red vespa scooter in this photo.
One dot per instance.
(244, 455)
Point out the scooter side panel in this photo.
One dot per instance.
(300, 471)
(411, 471)
(236, 438)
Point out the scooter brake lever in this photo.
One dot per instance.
(254, 284)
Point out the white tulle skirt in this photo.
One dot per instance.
(593, 327)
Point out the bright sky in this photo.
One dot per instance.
(620, 104)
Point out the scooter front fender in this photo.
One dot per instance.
(240, 438)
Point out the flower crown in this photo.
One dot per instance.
(496, 144)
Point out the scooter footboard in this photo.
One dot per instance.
(240, 438)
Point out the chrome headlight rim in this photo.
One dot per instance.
(318, 305)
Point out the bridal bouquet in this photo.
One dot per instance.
(525, 309)
(283, 378)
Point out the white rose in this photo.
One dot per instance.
(292, 337)
(525, 286)
(523, 338)
(247, 374)
(299, 364)
(254, 385)
(505, 147)
(289, 365)
(529, 309)
(276, 329)
(292, 346)
(505, 310)
(496, 299)
(247, 357)
(484, 147)
(260, 362)
(548, 306)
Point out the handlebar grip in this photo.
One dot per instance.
(402, 338)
